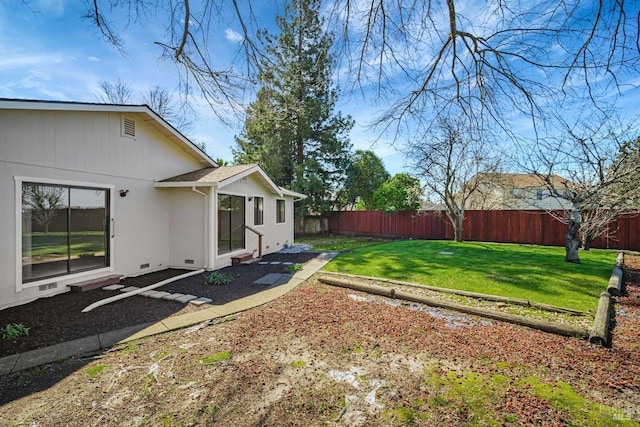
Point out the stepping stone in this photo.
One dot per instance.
(159, 294)
(129, 289)
(147, 293)
(112, 287)
(263, 263)
(172, 297)
(287, 263)
(186, 298)
(275, 262)
(269, 279)
(200, 301)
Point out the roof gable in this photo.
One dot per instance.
(222, 176)
(144, 111)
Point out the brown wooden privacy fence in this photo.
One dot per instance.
(503, 226)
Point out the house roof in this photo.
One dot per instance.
(144, 111)
(526, 180)
(224, 175)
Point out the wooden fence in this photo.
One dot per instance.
(504, 226)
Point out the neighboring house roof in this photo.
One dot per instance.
(145, 111)
(524, 180)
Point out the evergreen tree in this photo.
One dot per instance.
(291, 129)
(365, 174)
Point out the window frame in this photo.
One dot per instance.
(258, 211)
(278, 211)
(70, 276)
(218, 234)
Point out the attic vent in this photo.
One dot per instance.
(128, 127)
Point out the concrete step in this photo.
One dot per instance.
(100, 282)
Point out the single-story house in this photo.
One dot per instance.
(95, 190)
(520, 191)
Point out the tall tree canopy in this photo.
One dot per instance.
(292, 129)
(365, 174)
(401, 193)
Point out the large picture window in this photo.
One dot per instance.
(258, 210)
(65, 229)
(231, 222)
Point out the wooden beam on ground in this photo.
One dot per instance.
(541, 325)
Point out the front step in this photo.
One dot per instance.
(95, 283)
(239, 259)
(251, 261)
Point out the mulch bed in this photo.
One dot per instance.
(59, 318)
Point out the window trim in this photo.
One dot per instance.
(255, 198)
(217, 221)
(284, 203)
(19, 180)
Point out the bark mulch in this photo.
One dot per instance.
(59, 318)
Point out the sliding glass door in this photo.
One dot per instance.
(231, 220)
(65, 230)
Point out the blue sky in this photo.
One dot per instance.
(48, 51)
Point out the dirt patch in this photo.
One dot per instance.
(59, 318)
(322, 355)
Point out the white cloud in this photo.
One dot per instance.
(233, 36)
(22, 61)
(93, 59)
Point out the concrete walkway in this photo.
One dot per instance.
(104, 341)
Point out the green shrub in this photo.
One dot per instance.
(14, 330)
(293, 268)
(216, 278)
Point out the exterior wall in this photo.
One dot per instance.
(275, 236)
(188, 227)
(87, 147)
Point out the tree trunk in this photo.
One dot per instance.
(571, 239)
(457, 229)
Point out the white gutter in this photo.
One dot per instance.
(138, 291)
(205, 230)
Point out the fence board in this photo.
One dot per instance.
(503, 226)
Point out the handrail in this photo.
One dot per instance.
(250, 228)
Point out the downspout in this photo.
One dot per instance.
(205, 253)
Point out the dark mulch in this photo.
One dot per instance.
(59, 318)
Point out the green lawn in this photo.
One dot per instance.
(536, 273)
(337, 242)
(55, 243)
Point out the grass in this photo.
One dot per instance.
(337, 243)
(54, 244)
(536, 273)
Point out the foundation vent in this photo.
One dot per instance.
(47, 287)
(188, 261)
(144, 266)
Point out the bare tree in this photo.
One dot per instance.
(602, 175)
(162, 102)
(43, 202)
(484, 59)
(115, 93)
(453, 160)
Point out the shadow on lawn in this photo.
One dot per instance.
(528, 272)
